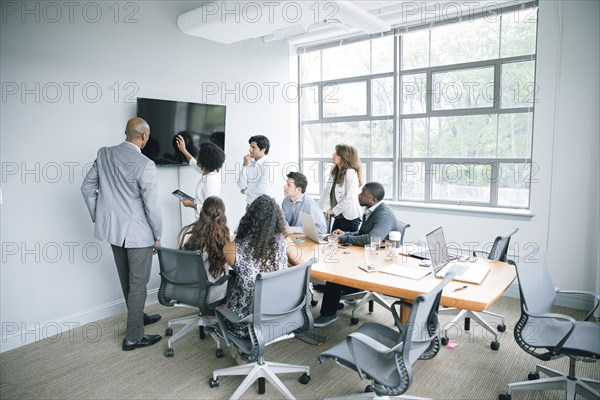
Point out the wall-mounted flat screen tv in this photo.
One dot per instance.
(196, 122)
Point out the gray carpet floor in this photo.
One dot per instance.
(88, 363)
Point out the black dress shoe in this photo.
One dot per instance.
(145, 341)
(150, 319)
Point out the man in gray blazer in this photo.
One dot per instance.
(120, 193)
(378, 221)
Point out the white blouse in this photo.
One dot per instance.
(208, 185)
(346, 195)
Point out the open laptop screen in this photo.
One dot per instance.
(438, 251)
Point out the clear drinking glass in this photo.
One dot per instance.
(368, 254)
(390, 249)
(375, 243)
(332, 239)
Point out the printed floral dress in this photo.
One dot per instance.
(242, 292)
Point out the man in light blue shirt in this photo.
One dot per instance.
(296, 201)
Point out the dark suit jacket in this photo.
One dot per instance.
(380, 223)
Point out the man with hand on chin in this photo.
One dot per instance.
(256, 177)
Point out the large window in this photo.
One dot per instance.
(442, 114)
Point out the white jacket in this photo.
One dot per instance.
(346, 195)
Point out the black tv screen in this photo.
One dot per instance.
(196, 122)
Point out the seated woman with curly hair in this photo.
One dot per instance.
(209, 234)
(260, 246)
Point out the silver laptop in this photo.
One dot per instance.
(310, 229)
(441, 265)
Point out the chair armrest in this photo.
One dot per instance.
(219, 281)
(572, 321)
(370, 342)
(397, 320)
(231, 316)
(482, 253)
(595, 296)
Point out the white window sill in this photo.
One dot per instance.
(526, 214)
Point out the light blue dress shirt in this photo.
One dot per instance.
(305, 204)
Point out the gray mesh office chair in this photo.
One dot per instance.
(497, 252)
(547, 335)
(385, 355)
(280, 311)
(358, 299)
(183, 283)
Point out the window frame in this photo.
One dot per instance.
(398, 159)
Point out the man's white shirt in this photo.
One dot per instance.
(257, 179)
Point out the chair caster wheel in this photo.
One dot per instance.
(201, 332)
(445, 340)
(169, 352)
(261, 385)
(504, 396)
(219, 353)
(353, 321)
(533, 376)
(304, 379)
(501, 328)
(214, 383)
(340, 306)
(169, 332)
(314, 303)
(369, 389)
(495, 345)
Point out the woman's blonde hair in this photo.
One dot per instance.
(350, 160)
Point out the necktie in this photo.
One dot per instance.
(366, 214)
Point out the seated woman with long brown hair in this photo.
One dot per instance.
(209, 234)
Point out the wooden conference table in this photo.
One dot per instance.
(340, 265)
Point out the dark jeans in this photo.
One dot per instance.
(346, 225)
(331, 297)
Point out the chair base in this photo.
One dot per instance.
(189, 324)
(260, 369)
(373, 396)
(559, 381)
(365, 297)
(466, 315)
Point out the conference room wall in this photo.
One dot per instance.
(54, 274)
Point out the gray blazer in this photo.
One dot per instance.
(121, 195)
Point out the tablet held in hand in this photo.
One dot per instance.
(181, 195)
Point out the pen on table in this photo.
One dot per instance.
(460, 288)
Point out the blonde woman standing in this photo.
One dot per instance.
(339, 199)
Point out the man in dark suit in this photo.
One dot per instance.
(378, 221)
(120, 193)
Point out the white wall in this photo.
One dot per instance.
(55, 275)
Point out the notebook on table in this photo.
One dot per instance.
(310, 229)
(441, 265)
(406, 271)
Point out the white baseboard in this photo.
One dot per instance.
(15, 335)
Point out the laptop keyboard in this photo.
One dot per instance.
(458, 268)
